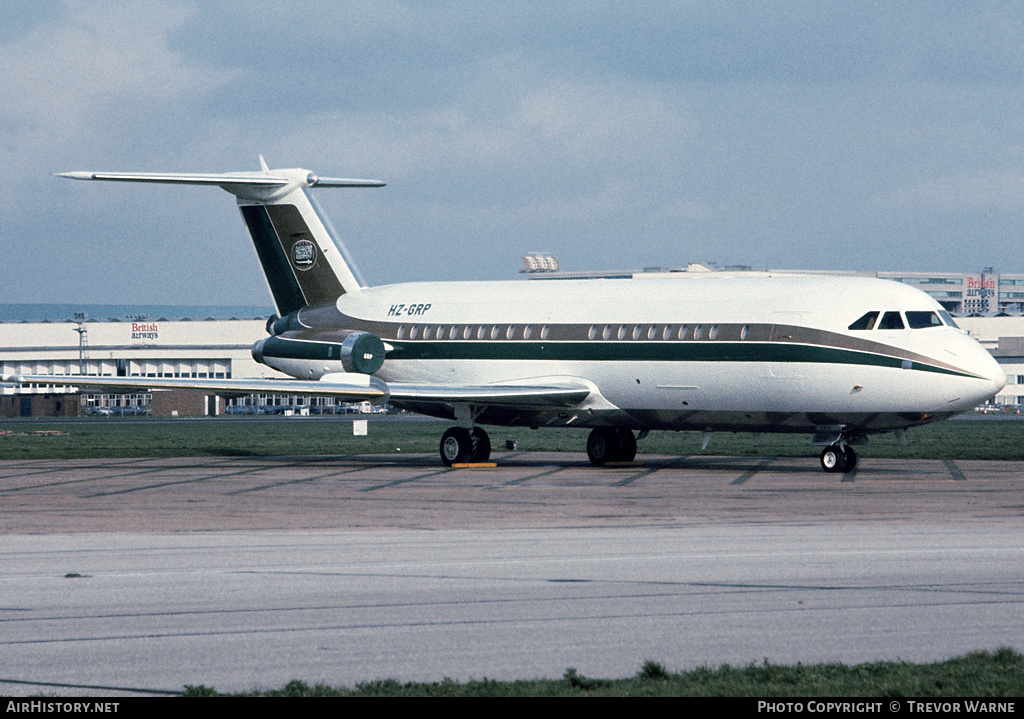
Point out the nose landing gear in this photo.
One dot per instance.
(838, 458)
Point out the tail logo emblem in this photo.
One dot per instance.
(303, 255)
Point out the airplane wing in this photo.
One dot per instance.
(348, 387)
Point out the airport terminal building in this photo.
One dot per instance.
(145, 348)
(987, 305)
(140, 348)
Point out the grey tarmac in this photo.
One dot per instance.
(135, 575)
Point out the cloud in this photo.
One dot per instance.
(612, 134)
(98, 77)
(962, 192)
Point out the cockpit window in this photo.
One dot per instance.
(919, 320)
(948, 319)
(865, 323)
(891, 321)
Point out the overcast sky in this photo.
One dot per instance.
(814, 135)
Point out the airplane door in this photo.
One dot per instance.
(782, 364)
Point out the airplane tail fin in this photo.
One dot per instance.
(304, 261)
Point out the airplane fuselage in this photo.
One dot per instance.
(724, 352)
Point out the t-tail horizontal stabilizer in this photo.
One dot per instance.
(225, 180)
(304, 261)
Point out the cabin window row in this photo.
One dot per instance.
(894, 320)
(655, 332)
(469, 332)
(595, 332)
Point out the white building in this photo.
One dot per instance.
(1004, 338)
(145, 348)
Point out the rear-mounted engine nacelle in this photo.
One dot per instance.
(289, 323)
(358, 352)
(362, 352)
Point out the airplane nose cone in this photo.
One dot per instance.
(999, 380)
(976, 361)
(989, 368)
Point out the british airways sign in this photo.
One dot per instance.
(145, 331)
(980, 287)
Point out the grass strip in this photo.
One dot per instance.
(238, 436)
(979, 674)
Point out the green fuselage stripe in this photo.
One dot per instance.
(706, 351)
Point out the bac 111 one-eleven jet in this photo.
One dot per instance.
(836, 357)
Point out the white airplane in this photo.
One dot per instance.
(836, 357)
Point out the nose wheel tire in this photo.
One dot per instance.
(838, 459)
(851, 459)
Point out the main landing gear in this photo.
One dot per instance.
(472, 446)
(837, 458)
(608, 444)
(465, 446)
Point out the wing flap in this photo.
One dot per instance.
(496, 395)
